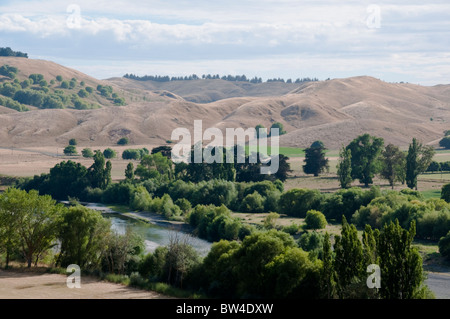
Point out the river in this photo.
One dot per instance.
(153, 233)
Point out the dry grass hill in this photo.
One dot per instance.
(334, 111)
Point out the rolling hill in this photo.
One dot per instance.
(334, 111)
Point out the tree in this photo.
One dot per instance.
(315, 161)
(315, 220)
(73, 142)
(87, 153)
(445, 193)
(129, 171)
(417, 161)
(123, 141)
(270, 220)
(109, 153)
(36, 219)
(82, 234)
(402, 274)
(344, 168)
(164, 150)
(59, 78)
(445, 142)
(99, 175)
(70, 150)
(9, 223)
(393, 164)
(365, 151)
(327, 276)
(83, 93)
(279, 126)
(444, 246)
(155, 165)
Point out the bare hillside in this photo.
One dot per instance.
(334, 111)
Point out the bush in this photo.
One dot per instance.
(109, 153)
(87, 153)
(315, 220)
(123, 141)
(296, 202)
(253, 203)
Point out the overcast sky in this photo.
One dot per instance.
(392, 40)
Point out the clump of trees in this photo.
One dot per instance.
(31, 226)
(365, 157)
(9, 52)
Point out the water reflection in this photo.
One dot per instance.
(154, 235)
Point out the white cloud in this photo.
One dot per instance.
(323, 33)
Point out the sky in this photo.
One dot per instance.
(395, 41)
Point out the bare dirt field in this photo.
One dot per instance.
(40, 285)
(30, 161)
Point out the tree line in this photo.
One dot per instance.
(366, 157)
(230, 78)
(9, 52)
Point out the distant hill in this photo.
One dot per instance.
(334, 111)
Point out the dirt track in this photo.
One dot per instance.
(35, 285)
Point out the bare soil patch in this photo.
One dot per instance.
(24, 284)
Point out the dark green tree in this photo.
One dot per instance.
(349, 260)
(315, 161)
(70, 150)
(402, 274)
(129, 171)
(365, 151)
(123, 141)
(444, 246)
(344, 168)
(445, 193)
(109, 153)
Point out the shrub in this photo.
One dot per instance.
(444, 246)
(87, 153)
(445, 142)
(315, 220)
